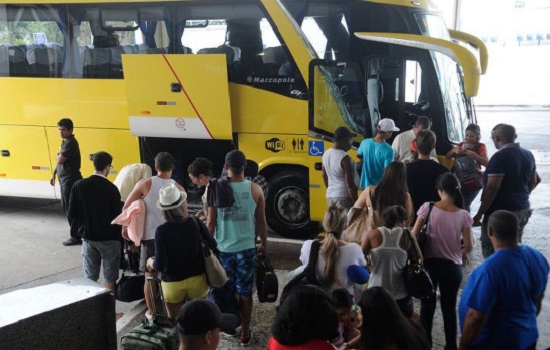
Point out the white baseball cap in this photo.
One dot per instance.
(386, 125)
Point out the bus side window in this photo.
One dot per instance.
(101, 45)
(34, 37)
(256, 56)
(19, 67)
(4, 60)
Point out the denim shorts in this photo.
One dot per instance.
(95, 252)
(239, 268)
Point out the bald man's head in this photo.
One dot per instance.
(504, 133)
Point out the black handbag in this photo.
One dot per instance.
(423, 237)
(130, 287)
(417, 281)
(267, 284)
(308, 276)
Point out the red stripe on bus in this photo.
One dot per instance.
(186, 95)
(34, 167)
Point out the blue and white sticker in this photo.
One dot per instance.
(316, 148)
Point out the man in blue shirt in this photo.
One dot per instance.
(503, 296)
(509, 178)
(376, 154)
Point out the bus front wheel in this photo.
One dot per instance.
(287, 205)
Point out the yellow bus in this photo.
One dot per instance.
(273, 78)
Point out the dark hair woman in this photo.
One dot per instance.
(471, 147)
(384, 326)
(444, 255)
(178, 252)
(307, 318)
(389, 247)
(200, 173)
(335, 254)
(391, 190)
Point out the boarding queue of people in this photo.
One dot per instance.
(360, 299)
(500, 294)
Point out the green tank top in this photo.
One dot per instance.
(235, 225)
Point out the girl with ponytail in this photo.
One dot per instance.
(445, 255)
(335, 254)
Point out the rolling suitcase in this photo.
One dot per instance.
(158, 335)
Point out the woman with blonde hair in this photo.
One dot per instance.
(178, 251)
(335, 254)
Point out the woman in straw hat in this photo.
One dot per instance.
(178, 251)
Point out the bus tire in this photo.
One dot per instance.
(287, 205)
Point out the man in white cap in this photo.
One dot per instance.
(199, 324)
(376, 153)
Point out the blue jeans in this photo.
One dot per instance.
(448, 276)
(469, 197)
(96, 252)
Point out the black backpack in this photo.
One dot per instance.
(466, 170)
(308, 276)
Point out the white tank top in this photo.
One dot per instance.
(336, 182)
(388, 261)
(153, 216)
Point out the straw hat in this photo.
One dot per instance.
(170, 197)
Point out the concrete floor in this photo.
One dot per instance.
(32, 231)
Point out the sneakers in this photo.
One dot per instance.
(246, 340)
(229, 333)
(72, 241)
(149, 318)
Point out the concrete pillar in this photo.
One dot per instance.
(73, 314)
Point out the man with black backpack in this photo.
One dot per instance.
(236, 226)
(509, 178)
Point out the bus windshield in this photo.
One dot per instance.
(398, 82)
(453, 96)
(432, 25)
(449, 78)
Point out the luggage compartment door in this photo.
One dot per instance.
(178, 96)
(25, 171)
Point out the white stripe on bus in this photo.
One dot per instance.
(174, 127)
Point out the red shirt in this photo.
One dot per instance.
(480, 149)
(310, 345)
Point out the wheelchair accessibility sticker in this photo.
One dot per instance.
(316, 148)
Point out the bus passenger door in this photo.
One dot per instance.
(178, 96)
(400, 89)
(337, 98)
